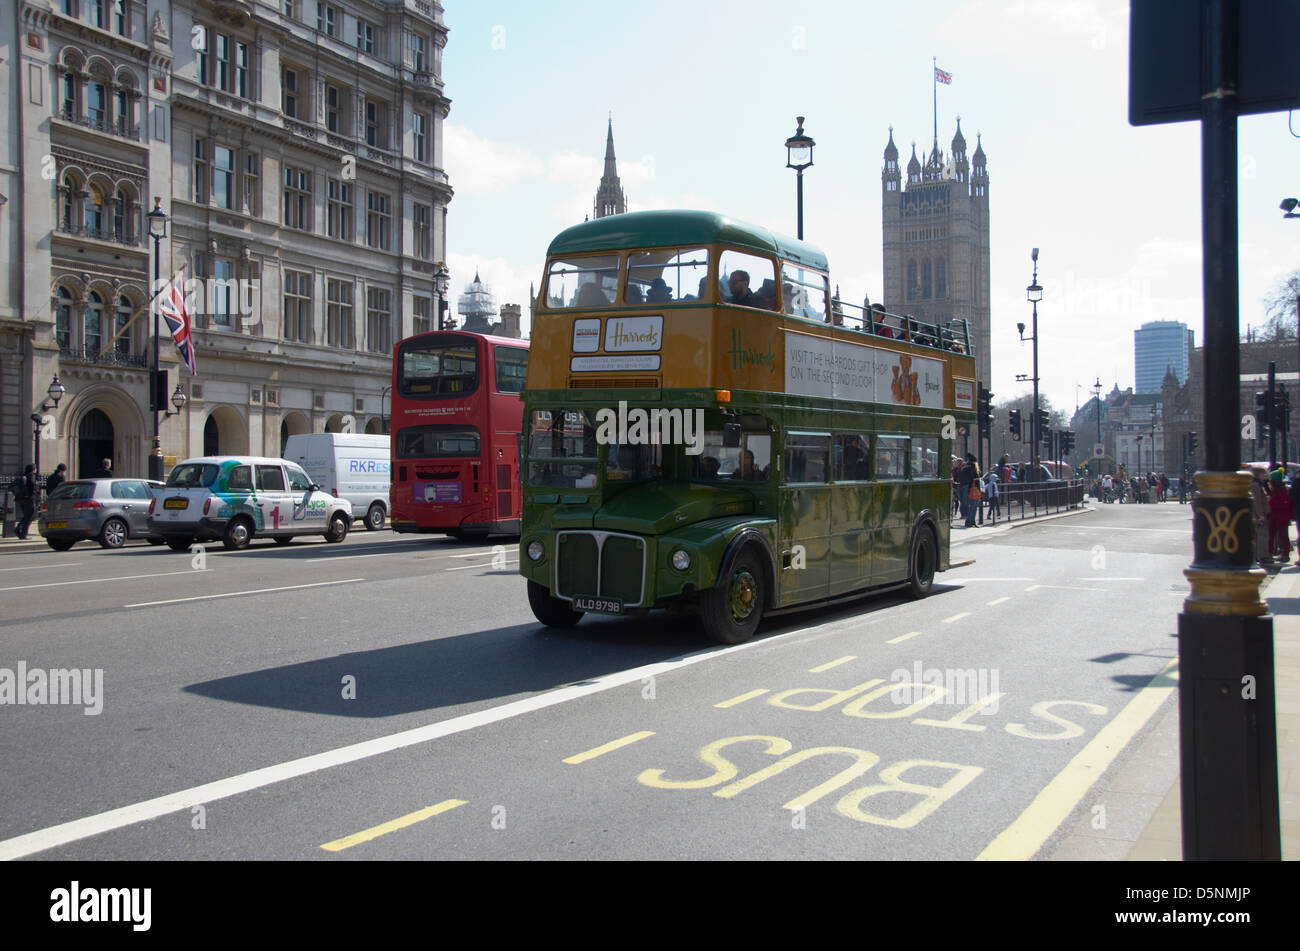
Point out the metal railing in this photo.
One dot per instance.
(953, 336)
(1026, 500)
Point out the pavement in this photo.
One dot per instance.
(1139, 806)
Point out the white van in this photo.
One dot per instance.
(354, 466)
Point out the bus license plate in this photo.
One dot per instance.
(598, 605)
(176, 504)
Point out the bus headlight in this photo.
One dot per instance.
(535, 551)
(681, 559)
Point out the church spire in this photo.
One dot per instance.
(610, 198)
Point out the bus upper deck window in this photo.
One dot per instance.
(582, 281)
(747, 280)
(667, 276)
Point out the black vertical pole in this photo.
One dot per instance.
(1271, 396)
(1227, 730)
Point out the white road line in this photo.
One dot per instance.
(73, 564)
(235, 594)
(996, 602)
(1109, 579)
(55, 836)
(55, 584)
(468, 567)
(965, 580)
(378, 554)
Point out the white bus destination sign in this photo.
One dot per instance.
(816, 366)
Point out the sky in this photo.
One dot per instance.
(703, 95)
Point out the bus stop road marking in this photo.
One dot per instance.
(235, 594)
(338, 845)
(737, 701)
(609, 747)
(1022, 839)
(829, 664)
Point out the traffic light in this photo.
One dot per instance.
(1046, 437)
(985, 410)
(1263, 412)
(1191, 444)
(1067, 442)
(1043, 421)
(1281, 415)
(1015, 425)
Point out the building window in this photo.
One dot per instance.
(338, 315)
(423, 312)
(941, 278)
(63, 319)
(913, 284)
(99, 14)
(94, 218)
(121, 320)
(252, 184)
(289, 93)
(240, 87)
(339, 223)
(379, 317)
(70, 8)
(123, 217)
(334, 109)
(223, 282)
(291, 9)
(297, 199)
(376, 128)
(365, 36)
(421, 137)
(423, 232)
(121, 18)
(378, 220)
(326, 19)
(93, 325)
(202, 36)
(202, 172)
(71, 109)
(97, 105)
(125, 113)
(297, 306)
(222, 79)
(223, 176)
(927, 280)
(419, 53)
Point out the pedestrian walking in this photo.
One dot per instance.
(23, 488)
(994, 495)
(1260, 513)
(56, 479)
(105, 470)
(1294, 492)
(968, 487)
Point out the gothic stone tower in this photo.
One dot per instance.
(610, 199)
(936, 240)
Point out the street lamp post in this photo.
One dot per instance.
(1096, 390)
(55, 393)
(441, 283)
(157, 231)
(798, 157)
(1034, 293)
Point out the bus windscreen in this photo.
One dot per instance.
(429, 369)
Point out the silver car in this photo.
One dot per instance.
(107, 510)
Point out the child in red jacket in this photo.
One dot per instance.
(1280, 515)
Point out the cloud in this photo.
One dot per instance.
(478, 166)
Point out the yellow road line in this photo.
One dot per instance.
(609, 747)
(338, 845)
(1023, 838)
(830, 664)
(734, 701)
(901, 638)
(955, 617)
(996, 602)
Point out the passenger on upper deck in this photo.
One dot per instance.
(634, 295)
(591, 295)
(659, 292)
(766, 295)
(738, 291)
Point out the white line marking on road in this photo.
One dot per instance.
(902, 637)
(235, 594)
(55, 584)
(77, 829)
(996, 602)
(73, 564)
(468, 567)
(1110, 579)
(965, 580)
(955, 617)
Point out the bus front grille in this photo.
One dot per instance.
(600, 564)
(610, 383)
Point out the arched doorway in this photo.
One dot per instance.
(224, 433)
(211, 437)
(94, 443)
(293, 424)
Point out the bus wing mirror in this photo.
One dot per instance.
(731, 435)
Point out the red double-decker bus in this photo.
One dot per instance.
(456, 420)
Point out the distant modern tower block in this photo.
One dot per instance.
(610, 199)
(936, 240)
(1157, 346)
(478, 307)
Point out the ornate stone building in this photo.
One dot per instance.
(297, 149)
(936, 239)
(610, 198)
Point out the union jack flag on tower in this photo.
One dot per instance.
(171, 304)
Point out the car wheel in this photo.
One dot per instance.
(60, 544)
(338, 529)
(732, 610)
(113, 534)
(180, 544)
(924, 563)
(551, 611)
(375, 517)
(239, 531)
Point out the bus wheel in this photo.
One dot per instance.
(925, 559)
(551, 611)
(732, 610)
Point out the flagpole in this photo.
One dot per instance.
(934, 88)
(141, 310)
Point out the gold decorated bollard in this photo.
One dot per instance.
(1223, 575)
(1228, 753)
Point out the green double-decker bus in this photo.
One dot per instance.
(706, 427)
